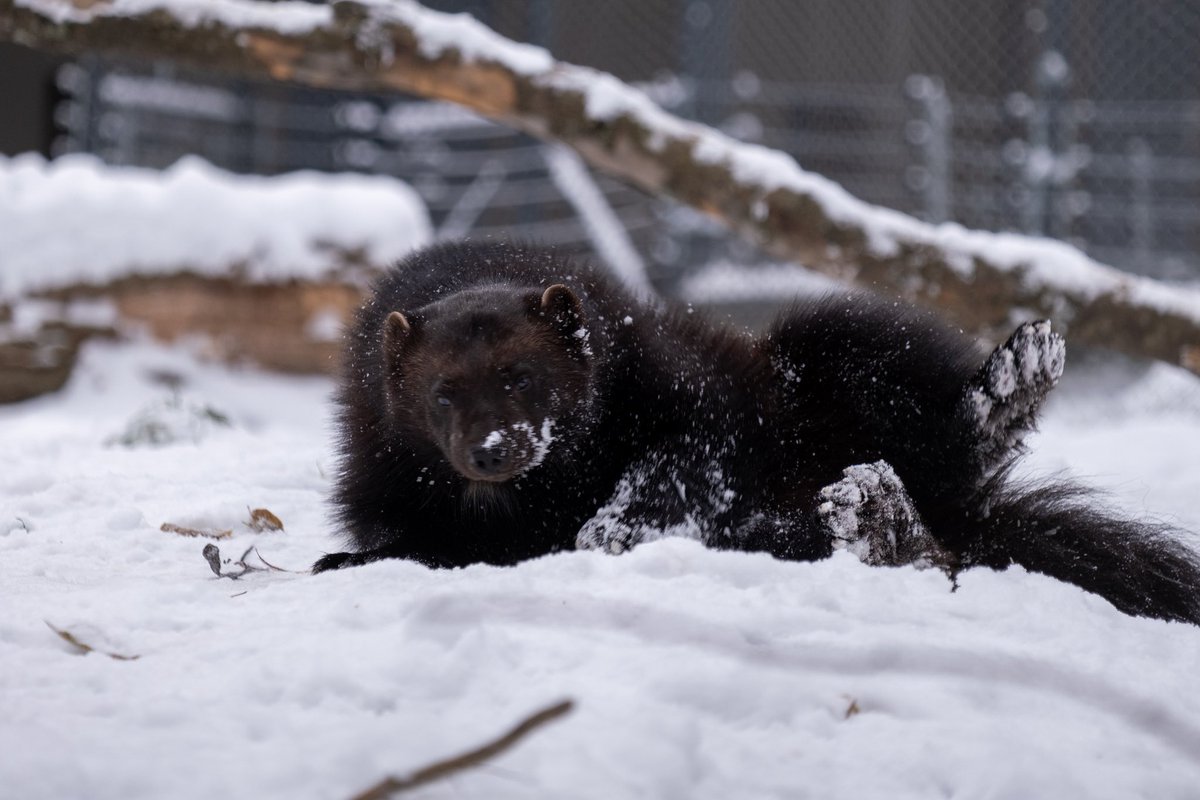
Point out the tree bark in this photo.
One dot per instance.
(287, 325)
(981, 281)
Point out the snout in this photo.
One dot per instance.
(491, 457)
(501, 453)
(491, 463)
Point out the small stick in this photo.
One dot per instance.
(441, 769)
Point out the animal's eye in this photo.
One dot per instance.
(442, 400)
(522, 383)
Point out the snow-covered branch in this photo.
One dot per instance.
(981, 280)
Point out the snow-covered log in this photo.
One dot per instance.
(262, 268)
(980, 280)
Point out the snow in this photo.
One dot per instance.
(533, 442)
(539, 440)
(695, 673)
(438, 32)
(284, 17)
(30, 315)
(67, 221)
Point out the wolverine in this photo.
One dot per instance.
(501, 402)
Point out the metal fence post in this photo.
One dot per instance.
(932, 132)
(1141, 216)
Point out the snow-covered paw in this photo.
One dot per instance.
(606, 534)
(1005, 395)
(869, 513)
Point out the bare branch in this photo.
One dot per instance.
(979, 280)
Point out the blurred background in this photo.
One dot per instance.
(1075, 120)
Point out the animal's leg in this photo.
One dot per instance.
(332, 561)
(1000, 402)
(660, 496)
(869, 513)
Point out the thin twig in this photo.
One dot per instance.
(272, 566)
(441, 769)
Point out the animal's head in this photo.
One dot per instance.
(487, 374)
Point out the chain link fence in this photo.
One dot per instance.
(1078, 120)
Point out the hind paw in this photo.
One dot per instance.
(1003, 398)
(869, 513)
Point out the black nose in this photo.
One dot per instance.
(489, 460)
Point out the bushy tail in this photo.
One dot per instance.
(1061, 530)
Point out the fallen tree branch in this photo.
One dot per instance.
(442, 769)
(982, 281)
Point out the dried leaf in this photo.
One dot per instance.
(853, 708)
(170, 527)
(262, 520)
(212, 554)
(85, 648)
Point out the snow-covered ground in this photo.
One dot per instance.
(696, 674)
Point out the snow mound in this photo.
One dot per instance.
(75, 220)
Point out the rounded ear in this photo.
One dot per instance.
(396, 331)
(560, 305)
(394, 336)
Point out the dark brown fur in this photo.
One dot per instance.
(465, 356)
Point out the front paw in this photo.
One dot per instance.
(332, 561)
(607, 534)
